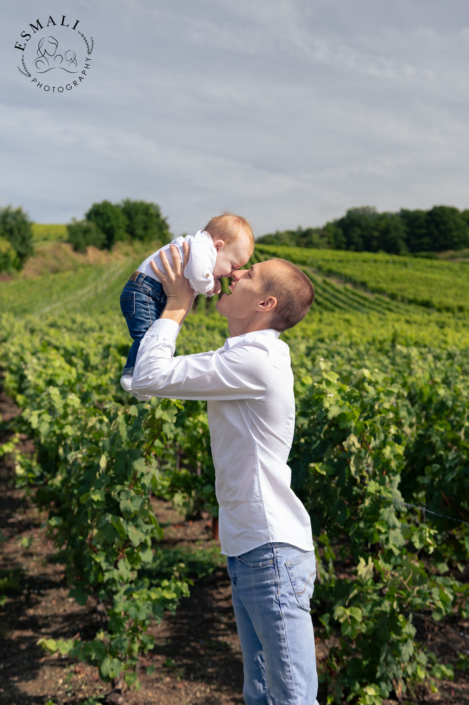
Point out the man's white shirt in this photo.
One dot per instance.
(198, 270)
(248, 384)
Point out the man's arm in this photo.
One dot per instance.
(241, 372)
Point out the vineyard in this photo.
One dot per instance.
(435, 284)
(380, 460)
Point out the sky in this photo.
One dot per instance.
(287, 112)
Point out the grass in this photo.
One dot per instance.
(92, 287)
(86, 289)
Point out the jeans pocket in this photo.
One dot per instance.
(302, 572)
(127, 301)
(258, 558)
(258, 566)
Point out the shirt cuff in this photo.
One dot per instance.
(126, 383)
(164, 328)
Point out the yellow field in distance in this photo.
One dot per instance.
(42, 232)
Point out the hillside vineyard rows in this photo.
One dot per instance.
(443, 286)
(380, 457)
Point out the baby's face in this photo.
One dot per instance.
(231, 257)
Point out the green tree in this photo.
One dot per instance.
(288, 238)
(465, 216)
(316, 238)
(447, 229)
(390, 234)
(335, 236)
(16, 227)
(415, 223)
(82, 233)
(365, 230)
(358, 227)
(145, 222)
(110, 220)
(8, 258)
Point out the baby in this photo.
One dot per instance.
(225, 244)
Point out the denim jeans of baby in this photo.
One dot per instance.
(271, 589)
(142, 302)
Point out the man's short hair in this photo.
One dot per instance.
(294, 293)
(228, 227)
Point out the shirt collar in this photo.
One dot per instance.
(269, 332)
(203, 234)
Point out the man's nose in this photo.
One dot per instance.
(236, 274)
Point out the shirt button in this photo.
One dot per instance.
(207, 275)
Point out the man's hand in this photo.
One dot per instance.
(179, 293)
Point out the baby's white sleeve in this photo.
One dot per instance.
(199, 269)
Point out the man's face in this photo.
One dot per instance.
(247, 291)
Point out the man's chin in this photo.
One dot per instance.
(220, 304)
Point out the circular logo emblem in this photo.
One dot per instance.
(55, 54)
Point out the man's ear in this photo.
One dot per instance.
(267, 305)
(218, 244)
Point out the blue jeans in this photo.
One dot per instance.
(142, 302)
(271, 589)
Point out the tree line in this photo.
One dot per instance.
(103, 226)
(107, 223)
(360, 229)
(366, 230)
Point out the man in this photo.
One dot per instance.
(264, 529)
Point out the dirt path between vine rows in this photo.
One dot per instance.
(197, 657)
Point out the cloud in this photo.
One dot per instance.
(288, 111)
